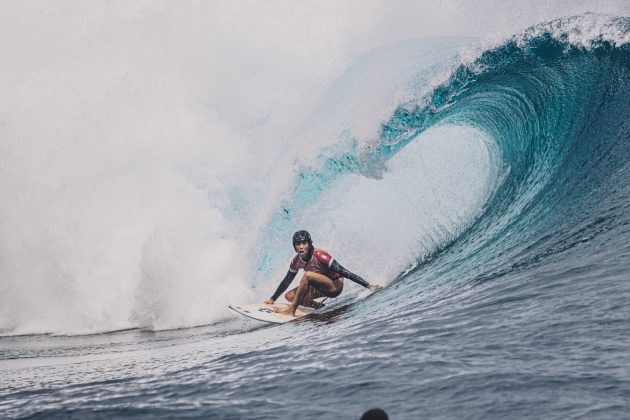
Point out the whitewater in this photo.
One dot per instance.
(156, 158)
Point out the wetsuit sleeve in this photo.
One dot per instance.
(336, 267)
(286, 281)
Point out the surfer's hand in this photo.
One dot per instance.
(374, 286)
(269, 301)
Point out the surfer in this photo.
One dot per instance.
(323, 276)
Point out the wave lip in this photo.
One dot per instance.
(586, 31)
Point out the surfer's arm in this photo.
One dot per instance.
(338, 268)
(286, 281)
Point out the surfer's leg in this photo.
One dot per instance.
(309, 297)
(325, 285)
(290, 295)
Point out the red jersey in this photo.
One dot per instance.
(319, 263)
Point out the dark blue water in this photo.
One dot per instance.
(523, 314)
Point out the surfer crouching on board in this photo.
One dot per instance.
(323, 275)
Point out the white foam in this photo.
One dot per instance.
(585, 31)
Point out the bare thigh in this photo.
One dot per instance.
(331, 288)
(324, 285)
(310, 295)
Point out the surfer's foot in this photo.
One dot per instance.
(286, 311)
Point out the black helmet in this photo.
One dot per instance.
(302, 236)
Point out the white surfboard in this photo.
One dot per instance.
(266, 312)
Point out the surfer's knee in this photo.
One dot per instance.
(289, 295)
(306, 278)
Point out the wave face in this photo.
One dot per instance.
(548, 107)
(495, 205)
(555, 102)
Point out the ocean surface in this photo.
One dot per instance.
(492, 200)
